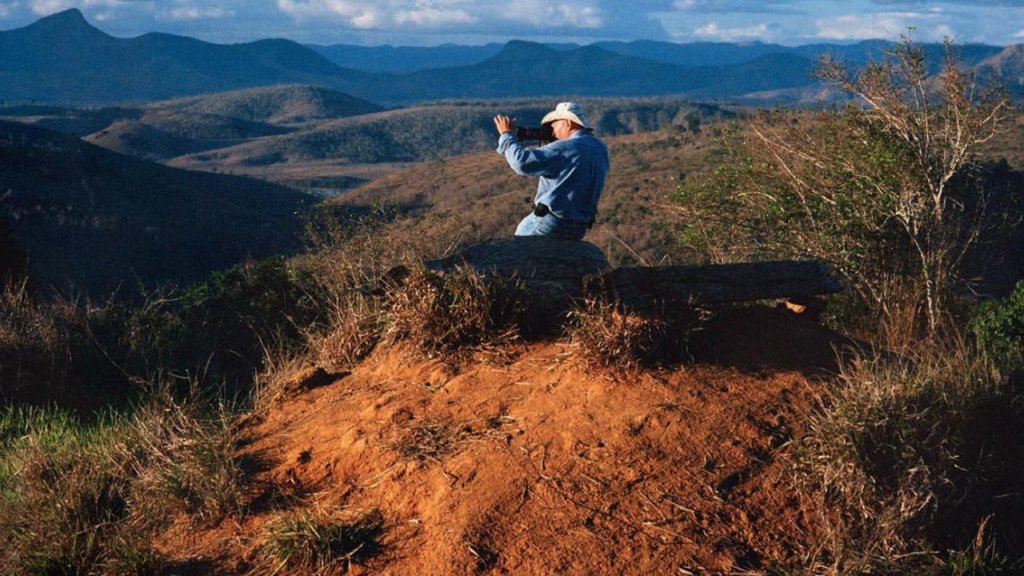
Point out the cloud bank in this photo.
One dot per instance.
(478, 21)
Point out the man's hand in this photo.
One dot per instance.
(504, 124)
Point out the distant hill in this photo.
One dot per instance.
(443, 130)
(725, 54)
(100, 221)
(405, 59)
(161, 135)
(63, 59)
(143, 140)
(172, 128)
(1008, 65)
(526, 69)
(74, 121)
(272, 104)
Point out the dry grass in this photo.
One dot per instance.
(456, 311)
(907, 458)
(434, 438)
(321, 543)
(279, 370)
(607, 335)
(84, 499)
(352, 264)
(355, 325)
(181, 461)
(430, 440)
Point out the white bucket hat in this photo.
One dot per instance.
(567, 111)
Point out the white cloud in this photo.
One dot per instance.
(434, 13)
(357, 14)
(190, 13)
(429, 16)
(711, 31)
(733, 6)
(546, 14)
(885, 25)
(5, 9)
(437, 13)
(44, 7)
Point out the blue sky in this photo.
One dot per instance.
(428, 22)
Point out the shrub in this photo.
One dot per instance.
(241, 311)
(447, 312)
(34, 344)
(999, 328)
(91, 355)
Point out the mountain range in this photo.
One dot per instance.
(62, 59)
(405, 59)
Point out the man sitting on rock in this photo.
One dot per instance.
(572, 170)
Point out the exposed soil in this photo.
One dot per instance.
(539, 464)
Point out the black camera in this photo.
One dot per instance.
(544, 134)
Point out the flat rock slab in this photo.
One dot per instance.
(529, 258)
(647, 288)
(550, 270)
(557, 273)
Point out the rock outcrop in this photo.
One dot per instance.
(556, 273)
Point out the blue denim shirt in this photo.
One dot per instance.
(572, 172)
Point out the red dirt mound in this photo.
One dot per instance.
(542, 465)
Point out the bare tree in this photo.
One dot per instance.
(941, 122)
(884, 188)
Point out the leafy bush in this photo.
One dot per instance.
(240, 312)
(48, 353)
(100, 354)
(999, 328)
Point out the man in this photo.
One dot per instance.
(572, 170)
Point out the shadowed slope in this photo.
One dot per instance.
(98, 220)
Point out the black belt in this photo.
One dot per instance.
(541, 210)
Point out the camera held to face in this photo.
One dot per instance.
(544, 134)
